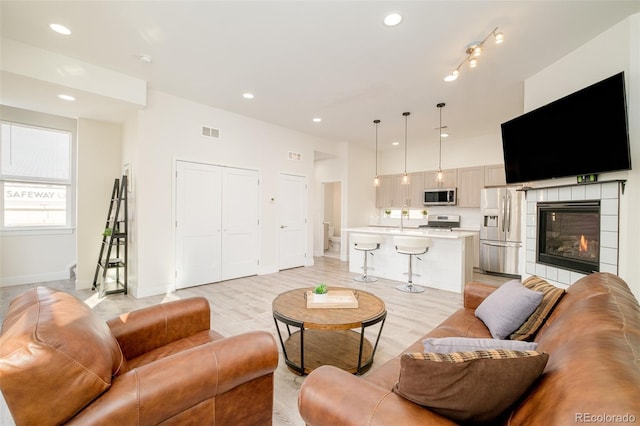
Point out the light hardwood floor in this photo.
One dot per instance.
(244, 304)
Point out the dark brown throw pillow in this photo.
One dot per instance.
(551, 297)
(469, 387)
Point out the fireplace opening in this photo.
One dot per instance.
(569, 235)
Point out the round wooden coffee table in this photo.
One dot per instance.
(328, 336)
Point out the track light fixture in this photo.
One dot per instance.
(473, 50)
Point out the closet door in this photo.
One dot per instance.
(198, 219)
(240, 222)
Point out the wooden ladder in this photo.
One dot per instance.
(111, 270)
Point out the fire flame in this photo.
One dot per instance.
(583, 244)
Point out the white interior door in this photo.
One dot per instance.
(198, 219)
(240, 223)
(292, 213)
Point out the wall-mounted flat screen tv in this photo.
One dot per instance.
(583, 133)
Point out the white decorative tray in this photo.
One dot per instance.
(332, 299)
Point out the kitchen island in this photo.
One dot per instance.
(448, 264)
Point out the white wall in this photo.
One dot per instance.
(99, 163)
(35, 256)
(354, 167)
(129, 157)
(169, 129)
(422, 155)
(359, 189)
(615, 50)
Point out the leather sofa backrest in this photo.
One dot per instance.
(56, 356)
(592, 338)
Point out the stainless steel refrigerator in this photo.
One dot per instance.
(500, 236)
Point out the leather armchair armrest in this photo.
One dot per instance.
(143, 330)
(330, 396)
(162, 389)
(475, 293)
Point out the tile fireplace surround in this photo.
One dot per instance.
(608, 194)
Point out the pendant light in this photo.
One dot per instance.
(405, 177)
(440, 177)
(376, 180)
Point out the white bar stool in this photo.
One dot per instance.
(411, 246)
(366, 243)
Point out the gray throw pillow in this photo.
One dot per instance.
(465, 344)
(507, 308)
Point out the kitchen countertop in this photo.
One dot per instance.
(448, 264)
(420, 232)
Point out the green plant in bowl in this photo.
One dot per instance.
(320, 289)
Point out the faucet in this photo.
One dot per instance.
(402, 209)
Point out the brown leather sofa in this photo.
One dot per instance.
(59, 363)
(592, 375)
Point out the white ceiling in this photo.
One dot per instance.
(303, 59)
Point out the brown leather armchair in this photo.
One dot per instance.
(59, 363)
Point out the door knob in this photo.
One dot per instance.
(283, 226)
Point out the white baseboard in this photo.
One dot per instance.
(84, 284)
(139, 292)
(35, 278)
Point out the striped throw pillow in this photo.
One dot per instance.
(471, 355)
(551, 297)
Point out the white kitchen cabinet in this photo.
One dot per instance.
(416, 190)
(393, 193)
(494, 175)
(384, 192)
(449, 179)
(400, 192)
(470, 183)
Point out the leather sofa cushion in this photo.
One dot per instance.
(48, 330)
(593, 339)
(174, 347)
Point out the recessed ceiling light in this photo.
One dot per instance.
(60, 29)
(317, 120)
(147, 59)
(395, 143)
(66, 97)
(392, 19)
(248, 95)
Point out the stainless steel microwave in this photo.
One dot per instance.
(440, 197)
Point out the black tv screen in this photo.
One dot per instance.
(583, 133)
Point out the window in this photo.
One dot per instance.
(35, 173)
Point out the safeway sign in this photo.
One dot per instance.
(27, 204)
(39, 195)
